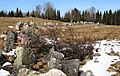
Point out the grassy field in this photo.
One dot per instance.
(87, 32)
(6, 21)
(80, 32)
(96, 32)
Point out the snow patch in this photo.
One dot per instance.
(104, 60)
(5, 64)
(4, 73)
(50, 41)
(10, 27)
(9, 53)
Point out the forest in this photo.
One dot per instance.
(49, 12)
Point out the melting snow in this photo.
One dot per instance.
(105, 60)
(4, 73)
(9, 53)
(49, 41)
(10, 27)
(5, 64)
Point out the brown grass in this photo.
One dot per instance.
(86, 33)
(81, 32)
(7, 21)
(12, 20)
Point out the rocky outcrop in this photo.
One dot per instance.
(26, 27)
(117, 74)
(52, 72)
(112, 53)
(2, 60)
(31, 45)
(54, 58)
(8, 67)
(10, 39)
(69, 67)
(87, 73)
(115, 68)
(116, 65)
(23, 57)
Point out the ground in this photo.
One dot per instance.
(88, 32)
(92, 32)
(8, 21)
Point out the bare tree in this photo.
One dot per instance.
(92, 12)
(49, 10)
(38, 10)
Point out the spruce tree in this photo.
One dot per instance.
(67, 17)
(110, 17)
(43, 16)
(100, 17)
(20, 14)
(33, 14)
(27, 14)
(83, 16)
(12, 14)
(17, 12)
(2, 14)
(118, 17)
(58, 15)
(97, 16)
(105, 17)
(75, 15)
(9, 14)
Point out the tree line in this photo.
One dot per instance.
(49, 12)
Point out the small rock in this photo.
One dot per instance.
(117, 74)
(24, 57)
(52, 72)
(111, 69)
(8, 68)
(87, 73)
(70, 67)
(36, 67)
(116, 65)
(40, 64)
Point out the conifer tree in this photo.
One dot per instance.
(17, 12)
(118, 17)
(67, 17)
(20, 14)
(110, 17)
(58, 15)
(27, 14)
(12, 14)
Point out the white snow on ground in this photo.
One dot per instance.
(10, 27)
(9, 53)
(4, 73)
(6, 63)
(49, 41)
(100, 68)
(2, 35)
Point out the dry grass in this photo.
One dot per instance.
(88, 32)
(12, 20)
(7, 21)
(81, 32)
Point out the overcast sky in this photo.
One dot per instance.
(62, 5)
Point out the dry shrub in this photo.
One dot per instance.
(76, 47)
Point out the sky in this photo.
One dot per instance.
(62, 5)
